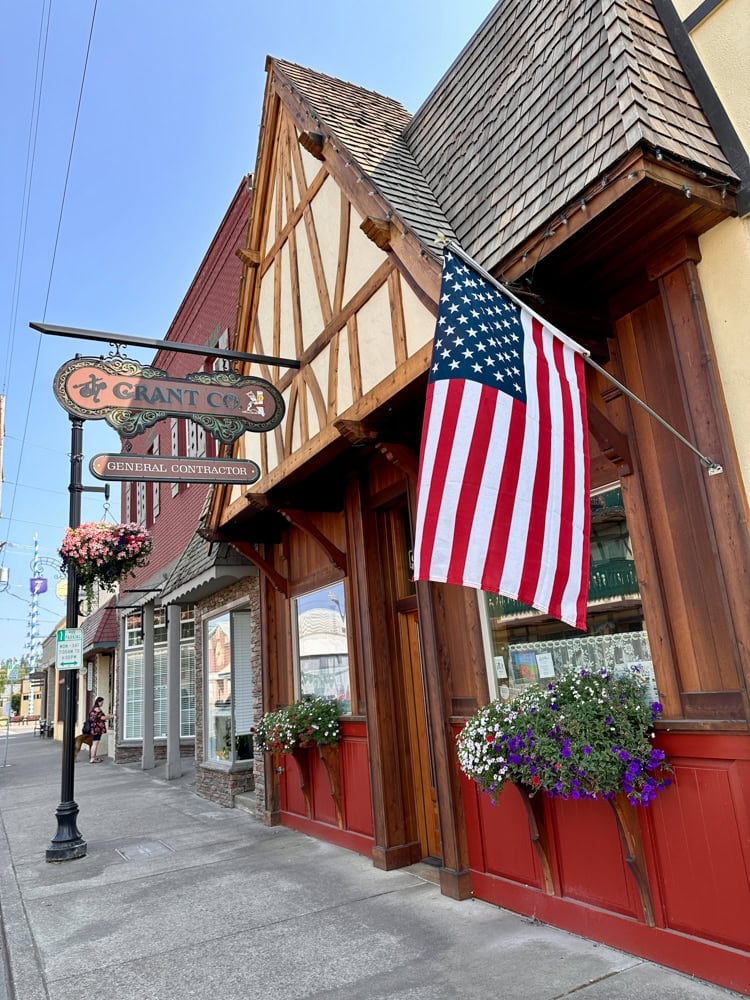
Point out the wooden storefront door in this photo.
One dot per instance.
(416, 719)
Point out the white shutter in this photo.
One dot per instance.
(242, 681)
(175, 432)
(160, 691)
(187, 689)
(155, 494)
(133, 729)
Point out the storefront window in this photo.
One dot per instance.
(527, 647)
(229, 696)
(322, 650)
(134, 674)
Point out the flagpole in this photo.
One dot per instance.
(713, 468)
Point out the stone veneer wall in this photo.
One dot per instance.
(132, 754)
(214, 781)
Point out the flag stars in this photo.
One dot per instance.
(475, 332)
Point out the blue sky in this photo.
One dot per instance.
(109, 237)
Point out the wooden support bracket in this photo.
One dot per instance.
(629, 828)
(277, 581)
(301, 520)
(401, 456)
(356, 432)
(539, 834)
(613, 443)
(329, 754)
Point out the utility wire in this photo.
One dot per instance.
(52, 263)
(41, 60)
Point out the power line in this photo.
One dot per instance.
(52, 263)
(41, 59)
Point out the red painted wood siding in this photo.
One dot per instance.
(697, 845)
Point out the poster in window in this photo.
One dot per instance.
(545, 665)
(524, 666)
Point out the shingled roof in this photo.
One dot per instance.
(543, 100)
(100, 629)
(369, 128)
(203, 568)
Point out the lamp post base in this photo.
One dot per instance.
(67, 844)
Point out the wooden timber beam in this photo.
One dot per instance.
(301, 520)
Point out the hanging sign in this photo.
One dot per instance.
(132, 397)
(159, 469)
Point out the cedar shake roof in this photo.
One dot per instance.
(369, 129)
(542, 101)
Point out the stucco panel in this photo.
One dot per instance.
(726, 259)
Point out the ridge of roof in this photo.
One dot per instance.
(368, 128)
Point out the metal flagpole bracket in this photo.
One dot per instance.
(713, 468)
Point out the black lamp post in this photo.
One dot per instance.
(68, 844)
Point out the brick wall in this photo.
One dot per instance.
(208, 308)
(214, 781)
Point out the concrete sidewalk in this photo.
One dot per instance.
(177, 897)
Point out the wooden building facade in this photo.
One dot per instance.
(589, 182)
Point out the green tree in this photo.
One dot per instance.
(15, 703)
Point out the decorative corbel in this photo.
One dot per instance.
(379, 231)
(301, 520)
(249, 257)
(356, 432)
(313, 142)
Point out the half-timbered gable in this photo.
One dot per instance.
(334, 279)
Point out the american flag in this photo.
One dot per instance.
(503, 492)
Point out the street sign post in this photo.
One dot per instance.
(69, 649)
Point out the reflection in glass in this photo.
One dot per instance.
(528, 647)
(229, 706)
(322, 647)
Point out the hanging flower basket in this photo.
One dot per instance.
(586, 735)
(308, 722)
(104, 553)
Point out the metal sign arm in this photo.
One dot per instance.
(166, 345)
